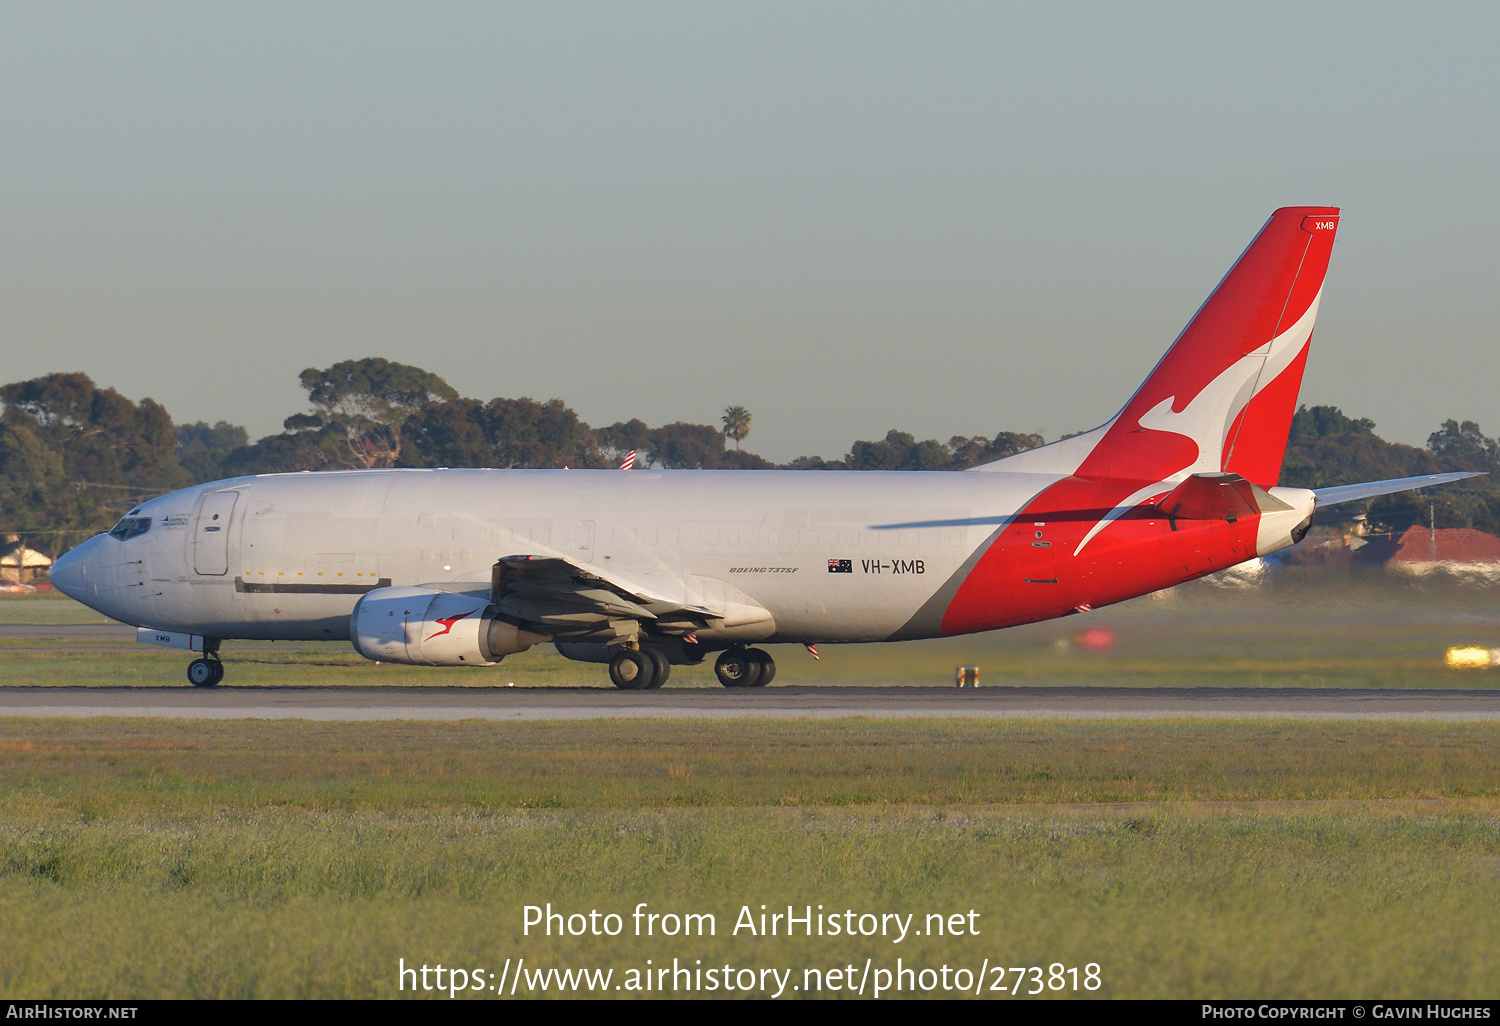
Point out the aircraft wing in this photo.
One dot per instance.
(1348, 493)
(569, 599)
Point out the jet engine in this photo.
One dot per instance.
(424, 627)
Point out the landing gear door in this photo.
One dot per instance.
(211, 534)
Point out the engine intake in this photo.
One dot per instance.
(423, 627)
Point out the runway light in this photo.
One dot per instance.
(1472, 658)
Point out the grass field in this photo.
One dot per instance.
(152, 858)
(1307, 630)
(46, 607)
(1230, 858)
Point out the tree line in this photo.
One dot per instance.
(74, 456)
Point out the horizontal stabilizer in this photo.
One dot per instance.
(1348, 493)
(1218, 497)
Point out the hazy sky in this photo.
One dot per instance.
(947, 218)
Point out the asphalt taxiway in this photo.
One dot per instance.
(775, 702)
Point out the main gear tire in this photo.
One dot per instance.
(663, 667)
(767, 667)
(737, 668)
(631, 670)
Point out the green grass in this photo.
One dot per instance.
(253, 858)
(46, 607)
(143, 766)
(152, 858)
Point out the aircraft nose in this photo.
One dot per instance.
(69, 571)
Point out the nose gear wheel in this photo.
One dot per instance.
(205, 673)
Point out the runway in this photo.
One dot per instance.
(791, 702)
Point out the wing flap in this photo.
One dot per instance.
(570, 598)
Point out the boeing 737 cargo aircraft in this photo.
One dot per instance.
(646, 569)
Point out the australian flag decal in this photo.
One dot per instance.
(841, 566)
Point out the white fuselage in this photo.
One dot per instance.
(293, 553)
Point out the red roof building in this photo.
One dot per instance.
(1446, 545)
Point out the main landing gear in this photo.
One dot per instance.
(639, 669)
(745, 668)
(208, 671)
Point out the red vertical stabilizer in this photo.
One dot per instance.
(1223, 396)
(1219, 402)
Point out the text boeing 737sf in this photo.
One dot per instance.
(645, 569)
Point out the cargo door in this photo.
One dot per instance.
(211, 534)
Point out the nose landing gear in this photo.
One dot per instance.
(205, 673)
(208, 671)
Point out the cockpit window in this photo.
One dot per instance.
(130, 527)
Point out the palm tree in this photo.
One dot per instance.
(736, 424)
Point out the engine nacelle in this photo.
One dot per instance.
(423, 627)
